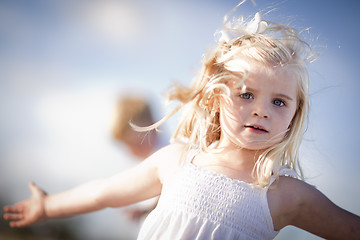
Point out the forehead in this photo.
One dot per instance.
(278, 79)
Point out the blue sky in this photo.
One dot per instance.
(63, 63)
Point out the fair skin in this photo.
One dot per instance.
(263, 112)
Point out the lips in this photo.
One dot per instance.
(256, 128)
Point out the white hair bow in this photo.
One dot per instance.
(235, 29)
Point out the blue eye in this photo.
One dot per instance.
(279, 102)
(246, 96)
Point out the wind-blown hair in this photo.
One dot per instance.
(278, 46)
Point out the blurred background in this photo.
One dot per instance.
(63, 65)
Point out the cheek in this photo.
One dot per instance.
(288, 119)
(232, 113)
(229, 120)
(283, 120)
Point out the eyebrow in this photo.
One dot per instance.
(285, 96)
(281, 95)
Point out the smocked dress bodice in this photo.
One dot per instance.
(197, 203)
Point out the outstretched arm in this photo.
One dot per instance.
(303, 206)
(136, 184)
(318, 215)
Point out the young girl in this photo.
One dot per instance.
(232, 170)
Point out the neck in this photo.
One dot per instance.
(245, 158)
(234, 162)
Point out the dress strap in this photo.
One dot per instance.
(284, 171)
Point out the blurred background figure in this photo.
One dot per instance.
(131, 147)
(136, 109)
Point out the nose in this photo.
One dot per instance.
(261, 110)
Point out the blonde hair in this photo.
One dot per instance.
(277, 46)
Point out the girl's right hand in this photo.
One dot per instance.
(29, 211)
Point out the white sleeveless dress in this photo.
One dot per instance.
(197, 203)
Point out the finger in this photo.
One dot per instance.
(7, 208)
(35, 190)
(16, 224)
(13, 209)
(13, 217)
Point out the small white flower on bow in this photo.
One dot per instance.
(236, 28)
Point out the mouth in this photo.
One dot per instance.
(257, 128)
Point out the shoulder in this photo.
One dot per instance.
(171, 152)
(167, 159)
(289, 197)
